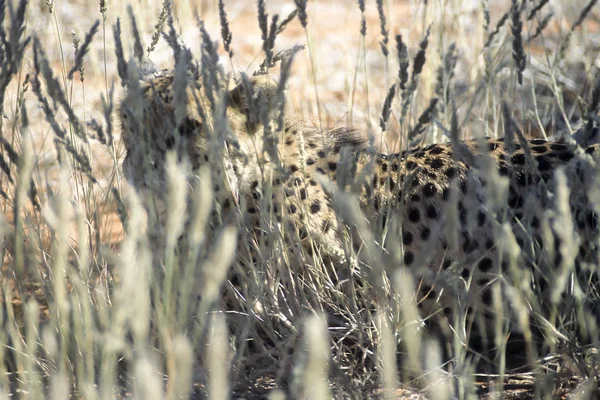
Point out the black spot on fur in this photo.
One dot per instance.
(558, 258)
(450, 172)
(485, 265)
(481, 218)
(321, 154)
(414, 215)
(446, 264)
(170, 143)
(566, 156)
(310, 161)
(303, 233)
(409, 258)
(292, 209)
(558, 147)
(435, 163)
(465, 273)
(392, 184)
(432, 212)
(407, 238)
(543, 163)
(436, 149)
(445, 194)
(410, 165)
(539, 149)
(302, 194)
(425, 233)
(294, 168)
(518, 159)
(590, 150)
(591, 220)
(332, 165)
(429, 190)
(315, 207)
(515, 201)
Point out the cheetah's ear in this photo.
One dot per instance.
(248, 87)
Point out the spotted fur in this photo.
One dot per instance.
(446, 207)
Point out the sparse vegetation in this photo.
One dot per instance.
(108, 292)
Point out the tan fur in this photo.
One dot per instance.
(409, 194)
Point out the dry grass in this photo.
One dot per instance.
(91, 309)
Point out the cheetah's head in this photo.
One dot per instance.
(157, 117)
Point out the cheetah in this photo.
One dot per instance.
(459, 215)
